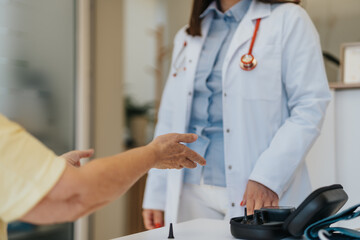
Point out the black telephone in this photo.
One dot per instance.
(280, 222)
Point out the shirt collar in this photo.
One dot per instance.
(237, 11)
(211, 8)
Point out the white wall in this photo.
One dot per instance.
(321, 160)
(335, 157)
(336, 21)
(141, 18)
(347, 131)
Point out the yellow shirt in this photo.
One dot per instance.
(28, 171)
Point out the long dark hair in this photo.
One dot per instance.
(199, 6)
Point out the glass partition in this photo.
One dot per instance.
(37, 81)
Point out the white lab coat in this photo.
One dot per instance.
(271, 115)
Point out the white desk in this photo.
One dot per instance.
(199, 229)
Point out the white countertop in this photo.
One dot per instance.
(199, 229)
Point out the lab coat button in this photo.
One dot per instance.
(190, 93)
(225, 94)
(227, 130)
(233, 204)
(229, 167)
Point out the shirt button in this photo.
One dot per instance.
(233, 204)
(227, 130)
(229, 167)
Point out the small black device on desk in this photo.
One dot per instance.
(281, 222)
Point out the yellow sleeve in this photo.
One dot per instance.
(28, 170)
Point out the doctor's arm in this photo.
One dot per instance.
(308, 95)
(83, 190)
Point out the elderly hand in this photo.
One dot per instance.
(74, 157)
(170, 153)
(257, 196)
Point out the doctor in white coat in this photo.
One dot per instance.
(273, 97)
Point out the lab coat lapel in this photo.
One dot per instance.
(195, 45)
(194, 48)
(246, 28)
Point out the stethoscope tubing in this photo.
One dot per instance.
(247, 61)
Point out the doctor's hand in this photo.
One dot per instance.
(257, 196)
(153, 218)
(170, 153)
(74, 157)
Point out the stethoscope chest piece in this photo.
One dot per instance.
(248, 62)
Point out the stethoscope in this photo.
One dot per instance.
(179, 63)
(247, 61)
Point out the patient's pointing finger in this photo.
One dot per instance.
(187, 138)
(195, 157)
(188, 163)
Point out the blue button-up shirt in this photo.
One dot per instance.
(206, 115)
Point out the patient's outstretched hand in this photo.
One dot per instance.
(171, 153)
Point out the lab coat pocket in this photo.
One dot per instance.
(263, 82)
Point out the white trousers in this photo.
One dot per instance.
(202, 201)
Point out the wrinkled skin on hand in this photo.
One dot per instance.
(171, 153)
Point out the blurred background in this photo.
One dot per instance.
(89, 73)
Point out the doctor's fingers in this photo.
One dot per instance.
(275, 203)
(268, 203)
(259, 203)
(148, 217)
(250, 204)
(158, 218)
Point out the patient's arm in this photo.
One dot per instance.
(81, 191)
